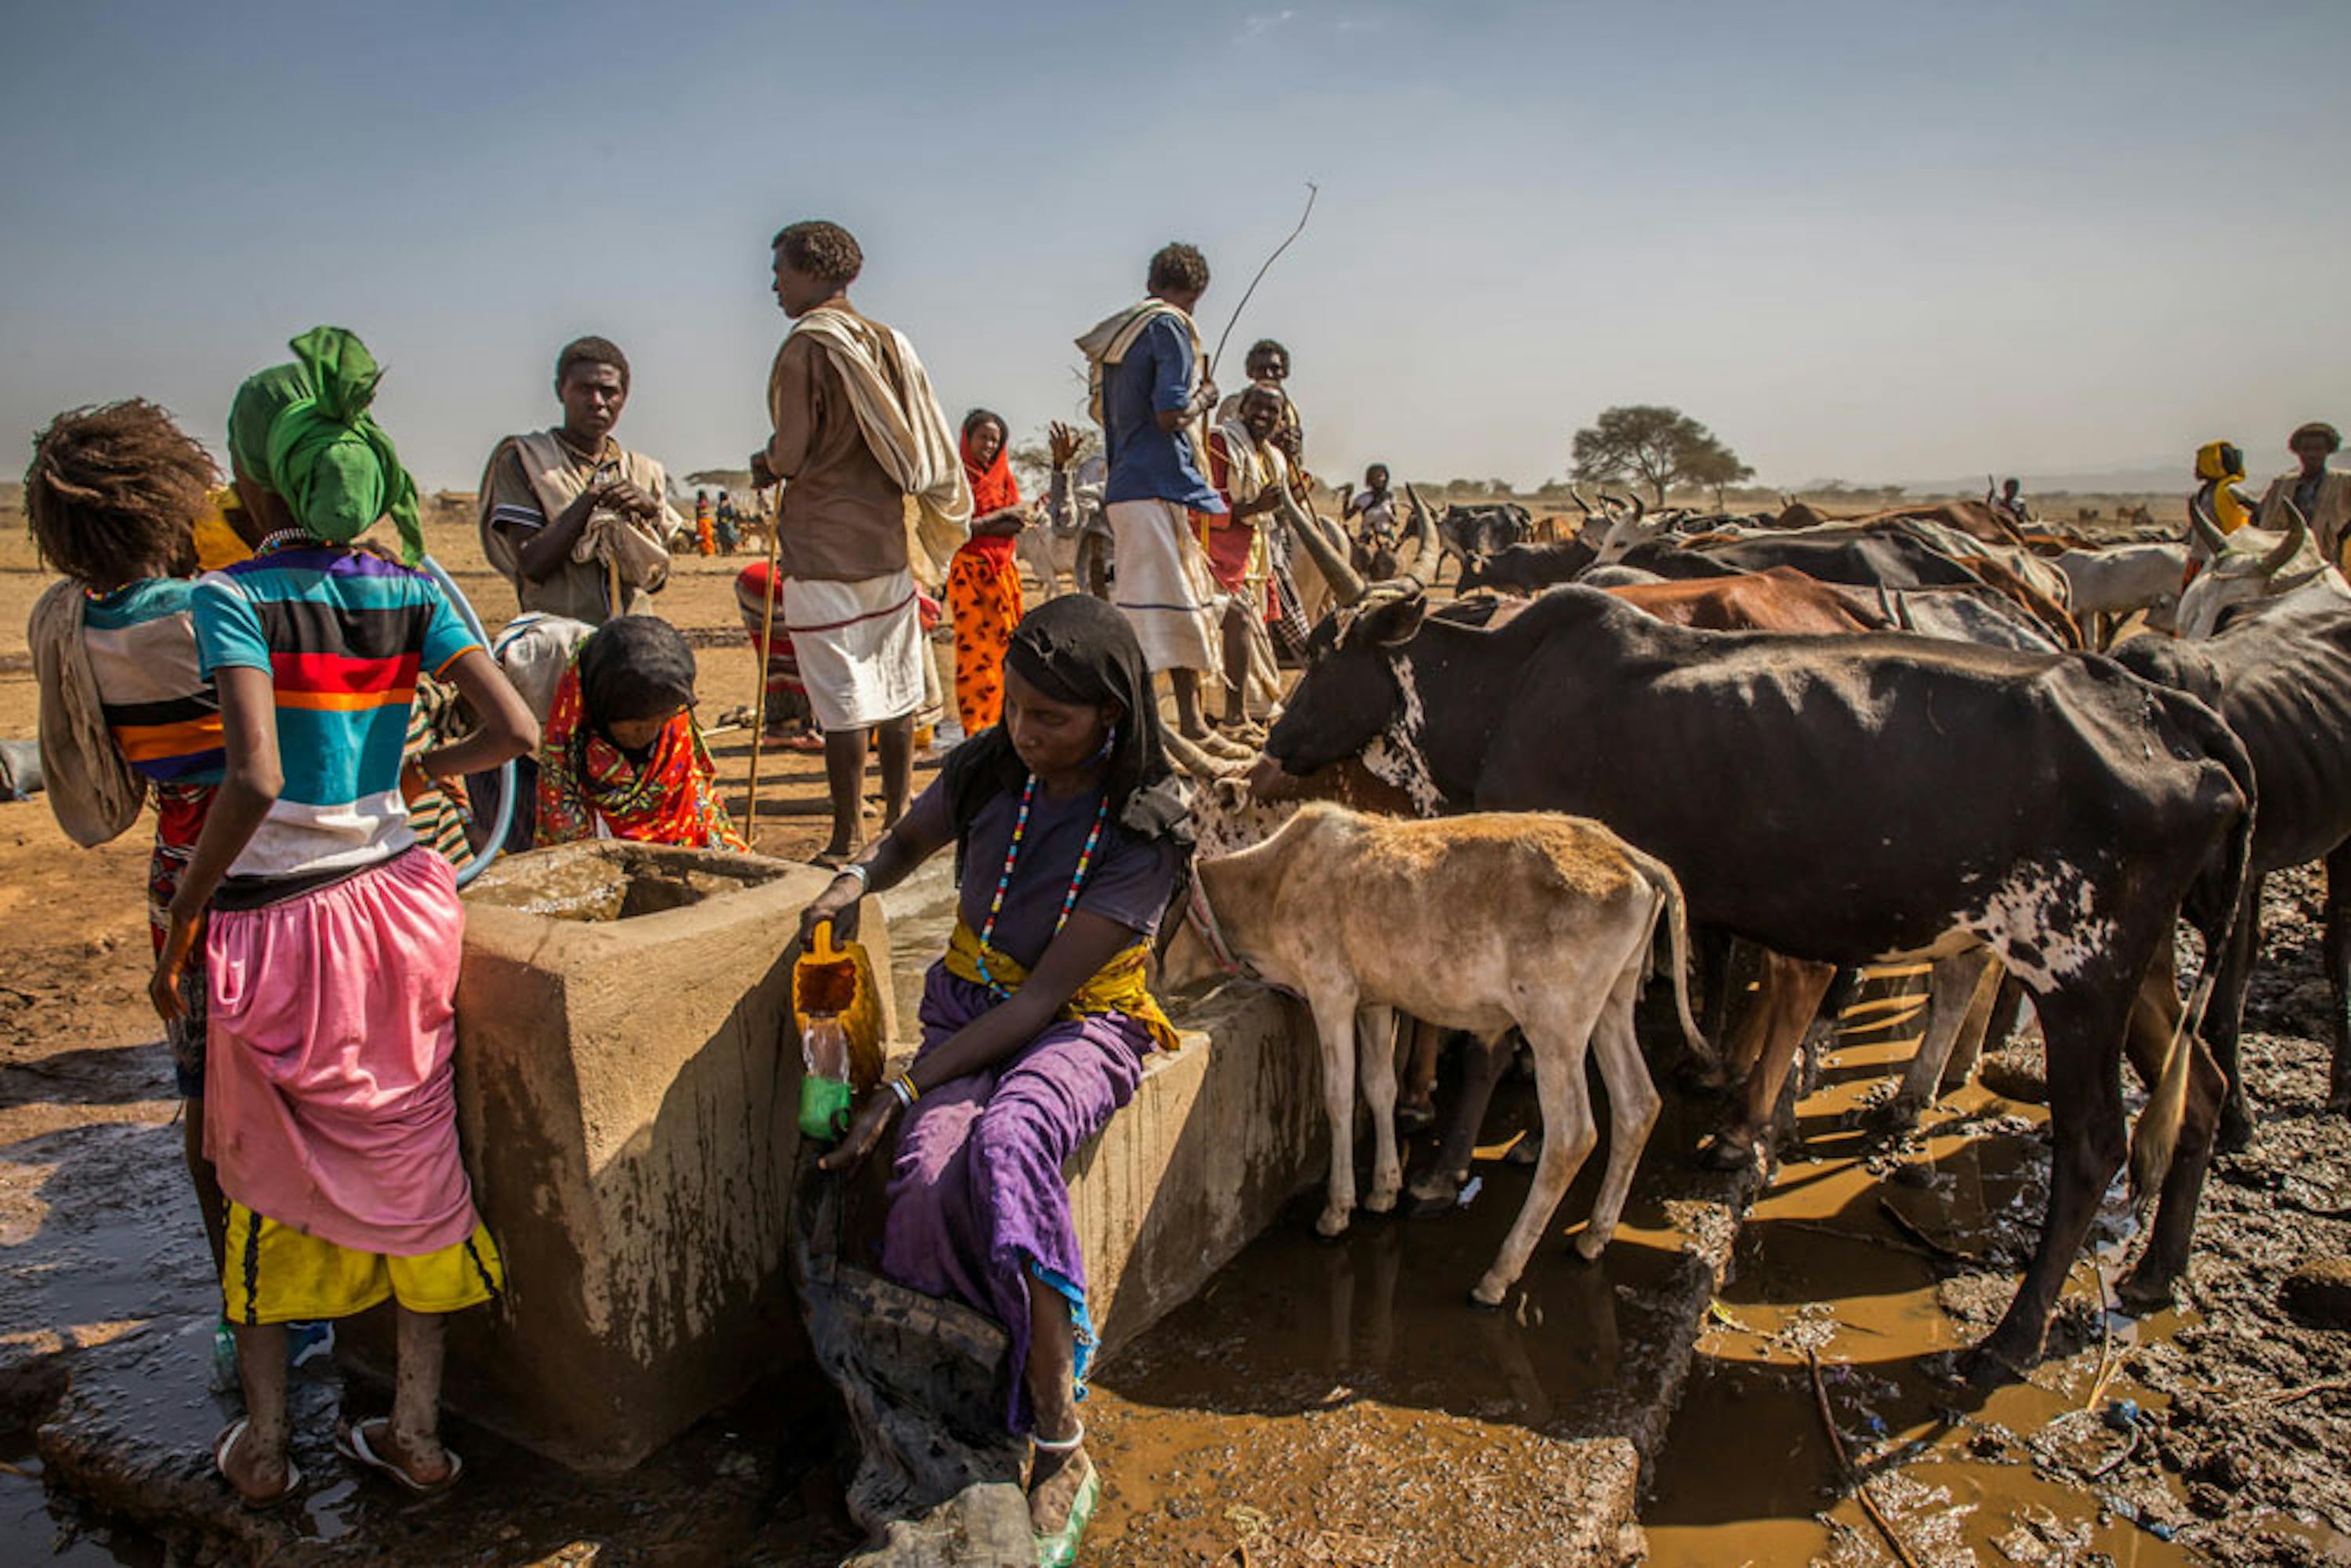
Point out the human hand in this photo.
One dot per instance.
(1065, 443)
(179, 944)
(836, 906)
(864, 1133)
(762, 476)
(625, 497)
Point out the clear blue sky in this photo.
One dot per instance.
(1870, 240)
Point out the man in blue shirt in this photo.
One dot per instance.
(1149, 393)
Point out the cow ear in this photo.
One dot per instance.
(1395, 623)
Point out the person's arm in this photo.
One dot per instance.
(999, 524)
(924, 830)
(540, 552)
(791, 408)
(505, 730)
(1075, 956)
(1172, 399)
(250, 786)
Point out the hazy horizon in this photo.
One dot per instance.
(1874, 244)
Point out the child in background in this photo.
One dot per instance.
(113, 499)
(623, 756)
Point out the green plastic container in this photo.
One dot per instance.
(824, 1107)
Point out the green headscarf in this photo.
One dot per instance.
(304, 431)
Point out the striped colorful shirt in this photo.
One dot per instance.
(343, 634)
(159, 706)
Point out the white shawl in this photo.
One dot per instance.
(907, 433)
(92, 789)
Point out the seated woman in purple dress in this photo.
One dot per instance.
(1071, 839)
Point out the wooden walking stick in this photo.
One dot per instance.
(767, 657)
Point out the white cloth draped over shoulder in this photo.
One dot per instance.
(94, 791)
(905, 429)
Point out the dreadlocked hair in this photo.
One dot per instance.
(113, 493)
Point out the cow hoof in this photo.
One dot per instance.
(1890, 1123)
(1380, 1200)
(1987, 1367)
(1725, 1152)
(1488, 1296)
(1590, 1244)
(1527, 1151)
(1331, 1224)
(2142, 1290)
(2236, 1134)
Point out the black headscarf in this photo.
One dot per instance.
(632, 667)
(1078, 649)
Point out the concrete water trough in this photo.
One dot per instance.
(627, 1089)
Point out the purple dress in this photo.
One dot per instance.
(978, 1206)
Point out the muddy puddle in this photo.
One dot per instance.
(1342, 1403)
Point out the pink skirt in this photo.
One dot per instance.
(331, 1091)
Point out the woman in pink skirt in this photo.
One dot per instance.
(331, 936)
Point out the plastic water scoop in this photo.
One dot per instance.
(838, 1012)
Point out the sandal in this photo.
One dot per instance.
(225, 1444)
(1060, 1550)
(350, 1441)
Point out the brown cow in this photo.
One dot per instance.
(1779, 600)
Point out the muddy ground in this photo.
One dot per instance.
(1318, 1405)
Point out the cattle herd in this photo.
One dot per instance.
(1834, 742)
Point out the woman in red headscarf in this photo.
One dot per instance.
(984, 581)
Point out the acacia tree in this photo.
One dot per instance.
(1717, 467)
(1656, 446)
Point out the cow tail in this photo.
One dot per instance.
(1661, 878)
(2218, 896)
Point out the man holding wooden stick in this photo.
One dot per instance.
(876, 501)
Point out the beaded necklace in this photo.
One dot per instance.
(284, 539)
(1012, 859)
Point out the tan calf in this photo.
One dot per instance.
(1528, 920)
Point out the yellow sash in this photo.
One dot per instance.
(1116, 988)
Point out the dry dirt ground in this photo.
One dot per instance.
(2241, 1454)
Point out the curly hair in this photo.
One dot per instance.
(824, 249)
(591, 351)
(1179, 267)
(113, 493)
(1267, 346)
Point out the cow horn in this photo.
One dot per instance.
(1639, 511)
(1189, 757)
(1429, 558)
(1346, 586)
(1576, 496)
(2202, 530)
(1618, 502)
(2297, 531)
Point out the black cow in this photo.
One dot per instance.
(1893, 559)
(1888, 794)
(2282, 681)
(1469, 532)
(1528, 569)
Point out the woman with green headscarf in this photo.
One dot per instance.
(331, 936)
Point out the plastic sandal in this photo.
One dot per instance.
(350, 1441)
(225, 1444)
(1060, 1550)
